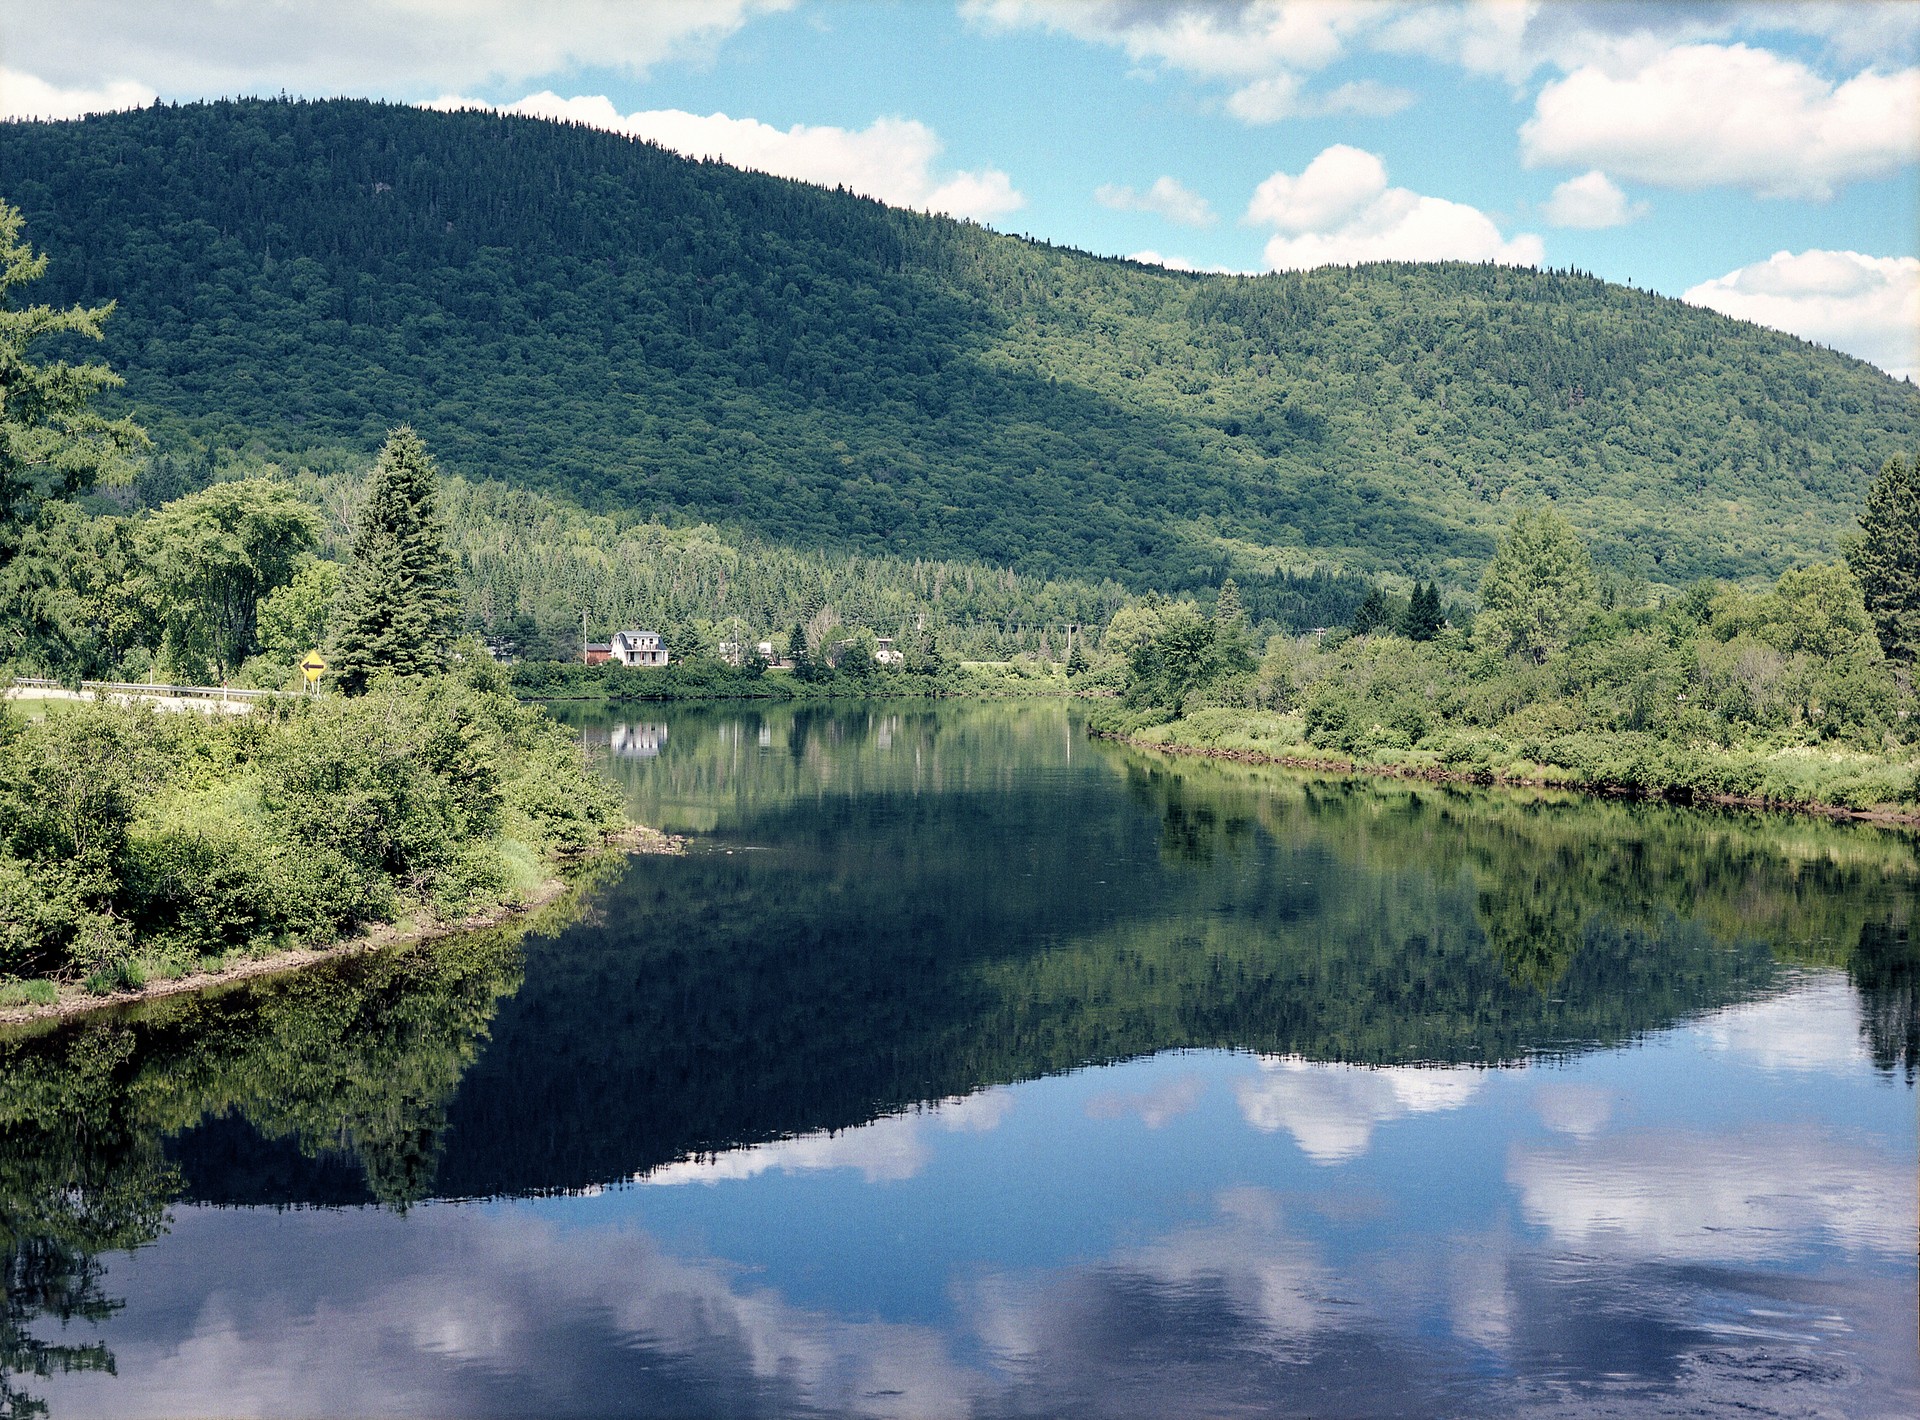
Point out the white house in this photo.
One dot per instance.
(884, 653)
(637, 648)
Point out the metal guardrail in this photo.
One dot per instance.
(125, 687)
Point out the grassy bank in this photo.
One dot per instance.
(1802, 777)
(705, 679)
(139, 848)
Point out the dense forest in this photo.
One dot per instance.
(563, 309)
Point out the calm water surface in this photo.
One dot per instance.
(964, 1066)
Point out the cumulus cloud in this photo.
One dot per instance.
(1168, 197)
(24, 96)
(1261, 46)
(893, 159)
(399, 47)
(1515, 40)
(1868, 306)
(1280, 96)
(1332, 1110)
(1591, 200)
(1701, 115)
(1340, 209)
(1213, 40)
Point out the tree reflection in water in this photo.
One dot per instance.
(974, 897)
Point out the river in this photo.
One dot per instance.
(966, 1066)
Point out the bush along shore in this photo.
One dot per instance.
(1801, 695)
(140, 848)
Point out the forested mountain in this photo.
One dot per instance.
(597, 317)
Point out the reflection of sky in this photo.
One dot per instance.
(1720, 1218)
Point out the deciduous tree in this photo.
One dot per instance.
(1539, 588)
(215, 554)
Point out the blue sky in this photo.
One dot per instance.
(1760, 158)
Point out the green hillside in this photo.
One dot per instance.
(596, 317)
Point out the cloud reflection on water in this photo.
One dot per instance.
(1331, 1110)
(1552, 1255)
(891, 1149)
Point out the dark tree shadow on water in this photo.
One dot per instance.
(1885, 969)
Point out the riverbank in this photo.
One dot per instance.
(1831, 784)
(140, 847)
(700, 679)
(574, 875)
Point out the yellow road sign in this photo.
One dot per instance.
(313, 666)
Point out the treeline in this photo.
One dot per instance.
(235, 578)
(570, 310)
(1801, 694)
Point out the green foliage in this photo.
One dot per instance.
(1538, 589)
(1783, 696)
(133, 837)
(53, 444)
(568, 309)
(1177, 656)
(213, 556)
(293, 618)
(1886, 556)
(397, 606)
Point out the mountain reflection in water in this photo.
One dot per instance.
(966, 1066)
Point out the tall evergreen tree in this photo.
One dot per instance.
(397, 603)
(1373, 613)
(1423, 619)
(1228, 611)
(1886, 557)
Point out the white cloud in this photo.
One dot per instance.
(892, 159)
(1168, 197)
(24, 96)
(1340, 209)
(1332, 1110)
(1513, 39)
(1700, 115)
(1210, 40)
(394, 47)
(1868, 306)
(1334, 187)
(1280, 96)
(1591, 200)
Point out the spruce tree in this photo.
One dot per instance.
(1886, 557)
(397, 602)
(1228, 611)
(1373, 613)
(797, 653)
(1423, 619)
